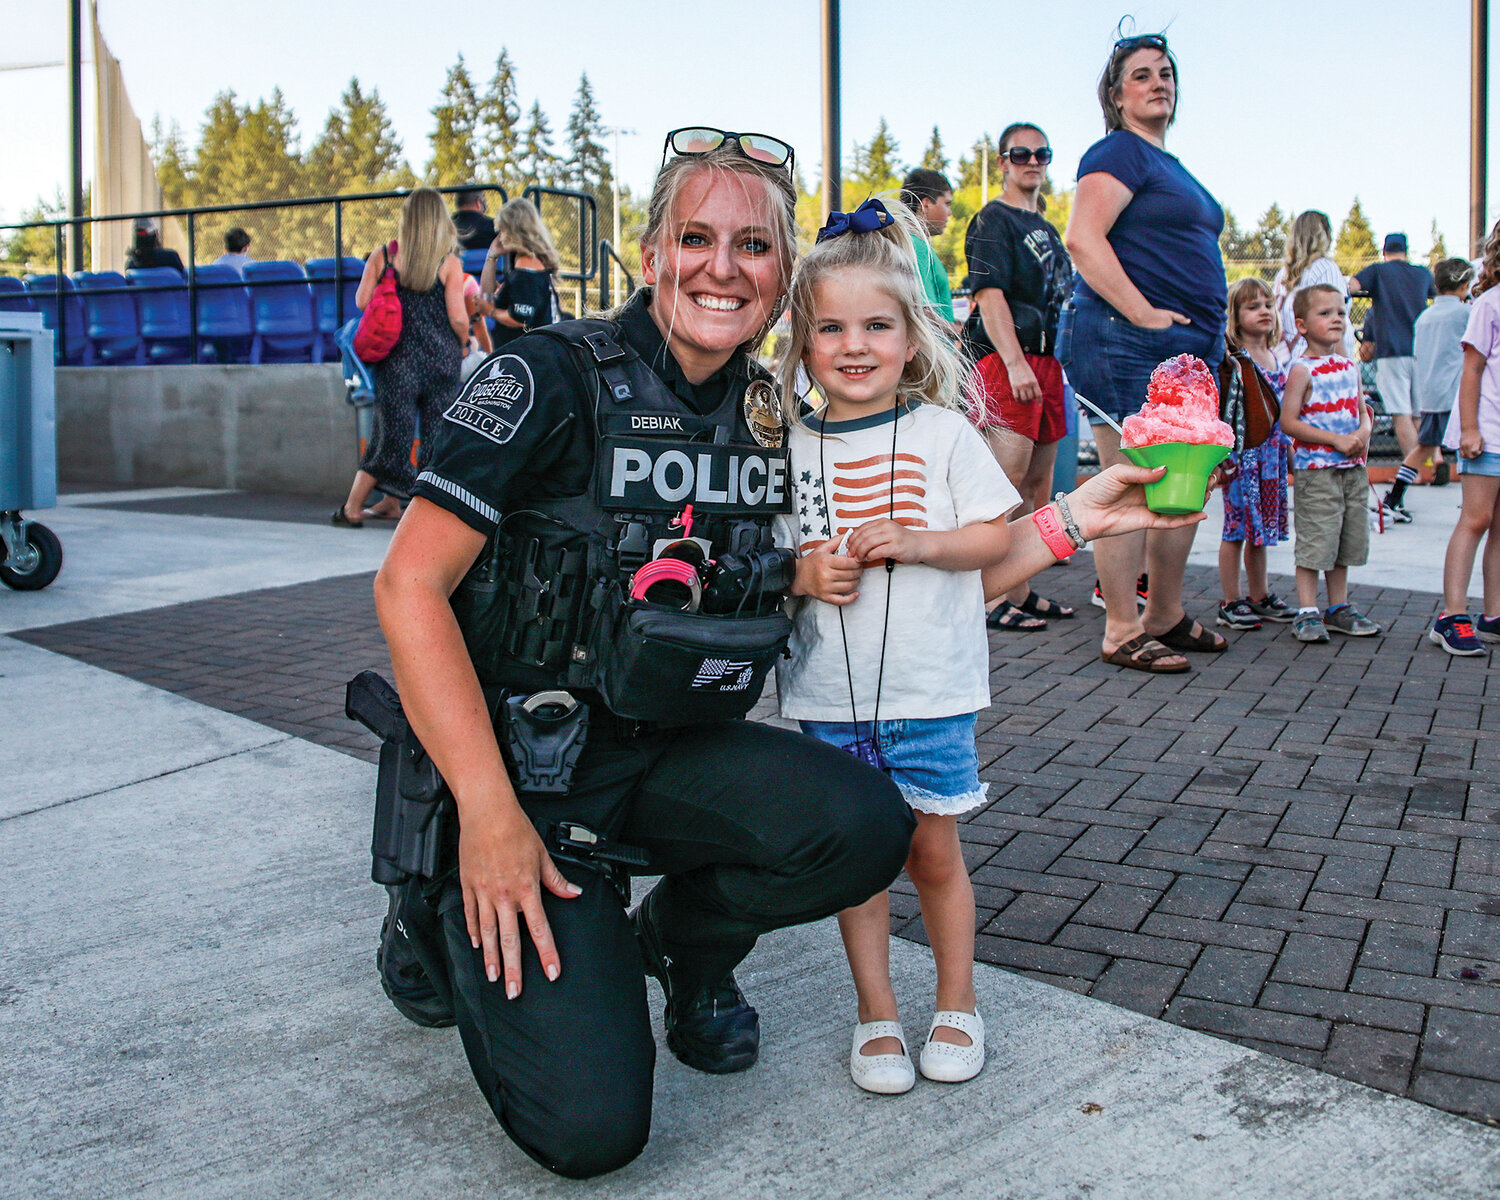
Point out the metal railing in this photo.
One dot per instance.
(608, 261)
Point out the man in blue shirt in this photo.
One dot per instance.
(1399, 291)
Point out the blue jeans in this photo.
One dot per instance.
(932, 760)
(1109, 360)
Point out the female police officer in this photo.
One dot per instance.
(565, 465)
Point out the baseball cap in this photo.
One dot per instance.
(1395, 243)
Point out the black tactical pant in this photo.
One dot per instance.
(753, 828)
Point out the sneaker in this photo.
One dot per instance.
(1272, 608)
(1488, 628)
(1097, 599)
(410, 955)
(1395, 514)
(1455, 634)
(1441, 474)
(1348, 619)
(1238, 614)
(1309, 627)
(712, 1028)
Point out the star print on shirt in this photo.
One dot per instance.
(870, 489)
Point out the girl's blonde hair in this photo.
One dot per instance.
(730, 167)
(520, 227)
(427, 237)
(1489, 267)
(1240, 291)
(1311, 236)
(938, 373)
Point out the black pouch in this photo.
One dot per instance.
(544, 735)
(671, 667)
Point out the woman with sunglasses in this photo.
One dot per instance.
(1144, 235)
(562, 469)
(1020, 273)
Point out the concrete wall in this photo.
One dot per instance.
(273, 428)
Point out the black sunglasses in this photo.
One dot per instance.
(1021, 155)
(703, 139)
(1142, 41)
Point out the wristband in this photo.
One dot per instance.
(1066, 513)
(1053, 533)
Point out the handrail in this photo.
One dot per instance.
(606, 290)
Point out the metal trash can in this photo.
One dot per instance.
(30, 554)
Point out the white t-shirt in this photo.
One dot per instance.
(1483, 333)
(1294, 345)
(936, 648)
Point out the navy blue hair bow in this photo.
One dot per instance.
(867, 218)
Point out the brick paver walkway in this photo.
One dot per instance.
(1294, 847)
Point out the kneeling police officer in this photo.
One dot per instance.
(581, 602)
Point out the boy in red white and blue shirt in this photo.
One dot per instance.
(1329, 424)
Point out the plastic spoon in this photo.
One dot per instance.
(1093, 408)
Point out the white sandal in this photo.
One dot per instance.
(946, 1062)
(885, 1074)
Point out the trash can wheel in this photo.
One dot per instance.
(41, 560)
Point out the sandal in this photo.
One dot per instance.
(1040, 606)
(341, 519)
(1145, 654)
(1007, 616)
(948, 1062)
(884, 1074)
(1187, 634)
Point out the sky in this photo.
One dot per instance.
(1304, 103)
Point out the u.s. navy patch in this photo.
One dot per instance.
(496, 400)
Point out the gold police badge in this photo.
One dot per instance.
(763, 414)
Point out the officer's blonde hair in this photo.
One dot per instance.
(427, 237)
(776, 190)
(938, 372)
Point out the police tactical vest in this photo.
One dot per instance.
(531, 607)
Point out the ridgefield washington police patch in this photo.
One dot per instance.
(496, 400)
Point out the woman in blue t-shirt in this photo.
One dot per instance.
(1144, 236)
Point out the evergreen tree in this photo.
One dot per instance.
(264, 161)
(499, 133)
(538, 162)
(1355, 248)
(453, 157)
(969, 166)
(221, 127)
(34, 251)
(587, 168)
(1439, 249)
(876, 167)
(170, 154)
(358, 150)
(1270, 237)
(933, 157)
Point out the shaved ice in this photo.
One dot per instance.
(1182, 405)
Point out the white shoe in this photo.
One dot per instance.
(946, 1062)
(885, 1074)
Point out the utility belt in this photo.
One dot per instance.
(541, 737)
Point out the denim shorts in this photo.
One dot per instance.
(1110, 361)
(1487, 463)
(933, 760)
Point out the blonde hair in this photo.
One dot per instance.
(1240, 291)
(1311, 236)
(520, 227)
(1489, 266)
(427, 237)
(937, 373)
(726, 163)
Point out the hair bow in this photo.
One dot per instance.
(867, 218)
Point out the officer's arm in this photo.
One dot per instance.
(502, 863)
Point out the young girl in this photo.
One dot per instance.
(1251, 381)
(1474, 431)
(899, 504)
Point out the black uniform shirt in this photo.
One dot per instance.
(523, 425)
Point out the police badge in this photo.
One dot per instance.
(763, 414)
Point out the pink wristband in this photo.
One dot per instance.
(1053, 533)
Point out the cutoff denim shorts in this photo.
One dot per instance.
(932, 760)
(1487, 463)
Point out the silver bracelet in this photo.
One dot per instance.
(1070, 526)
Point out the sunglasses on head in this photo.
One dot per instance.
(1021, 155)
(1142, 41)
(702, 139)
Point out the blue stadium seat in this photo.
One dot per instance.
(114, 326)
(223, 314)
(162, 302)
(474, 262)
(326, 285)
(72, 349)
(281, 310)
(13, 297)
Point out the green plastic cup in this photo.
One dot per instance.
(1184, 488)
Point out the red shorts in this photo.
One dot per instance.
(1044, 420)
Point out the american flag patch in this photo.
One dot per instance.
(723, 675)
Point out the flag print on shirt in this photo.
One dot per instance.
(862, 490)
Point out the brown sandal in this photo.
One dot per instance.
(1182, 637)
(1145, 654)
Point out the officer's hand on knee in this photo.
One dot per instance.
(501, 863)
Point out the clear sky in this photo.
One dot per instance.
(1302, 102)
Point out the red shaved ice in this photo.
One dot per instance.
(1182, 405)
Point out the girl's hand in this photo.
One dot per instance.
(1114, 502)
(1024, 388)
(825, 574)
(880, 540)
(1470, 444)
(1160, 318)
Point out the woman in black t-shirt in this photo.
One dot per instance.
(524, 296)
